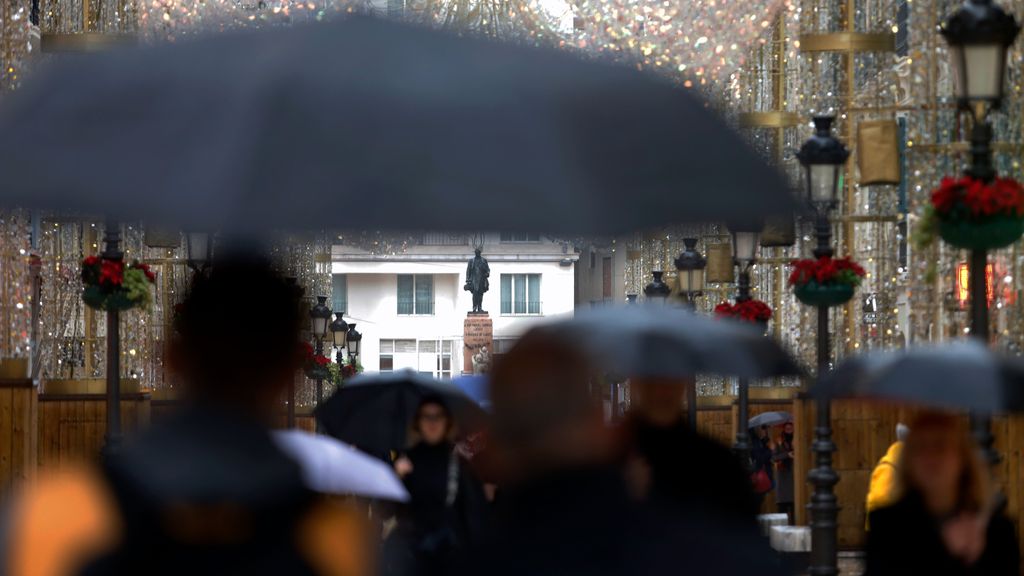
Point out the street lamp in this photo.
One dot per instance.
(339, 331)
(745, 241)
(199, 249)
(690, 272)
(657, 291)
(354, 338)
(319, 317)
(822, 157)
(979, 35)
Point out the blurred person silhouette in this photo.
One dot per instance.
(944, 519)
(783, 457)
(206, 491)
(762, 475)
(448, 509)
(670, 464)
(565, 507)
(881, 491)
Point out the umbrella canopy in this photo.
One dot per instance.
(663, 342)
(769, 419)
(331, 467)
(409, 126)
(374, 412)
(476, 387)
(963, 375)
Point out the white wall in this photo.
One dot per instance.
(373, 304)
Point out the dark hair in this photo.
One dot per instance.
(238, 328)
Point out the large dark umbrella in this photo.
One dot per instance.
(659, 341)
(769, 419)
(408, 127)
(963, 375)
(374, 412)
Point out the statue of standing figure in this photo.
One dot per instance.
(477, 273)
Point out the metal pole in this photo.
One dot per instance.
(742, 446)
(319, 380)
(823, 507)
(112, 441)
(981, 168)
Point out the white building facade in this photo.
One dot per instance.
(410, 307)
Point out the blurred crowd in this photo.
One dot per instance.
(553, 489)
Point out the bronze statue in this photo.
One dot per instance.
(477, 273)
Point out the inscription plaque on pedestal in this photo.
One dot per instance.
(477, 343)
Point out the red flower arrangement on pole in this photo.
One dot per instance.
(825, 281)
(110, 285)
(968, 212)
(754, 311)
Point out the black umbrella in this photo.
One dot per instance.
(374, 412)
(660, 341)
(409, 128)
(963, 375)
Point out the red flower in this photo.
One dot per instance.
(320, 360)
(749, 311)
(111, 273)
(306, 349)
(823, 270)
(150, 275)
(1003, 196)
(91, 261)
(724, 310)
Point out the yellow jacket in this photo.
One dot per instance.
(883, 479)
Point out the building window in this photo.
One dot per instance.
(415, 294)
(339, 293)
(520, 294)
(519, 237)
(443, 239)
(429, 357)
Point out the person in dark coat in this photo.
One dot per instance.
(205, 491)
(783, 457)
(945, 520)
(448, 508)
(668, 463)
(761, 456)
(565, 508)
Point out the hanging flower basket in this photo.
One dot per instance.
(315, 366)
(111, 286)
(825, 281)
(752, 311)
(814, 294)
(973, 214)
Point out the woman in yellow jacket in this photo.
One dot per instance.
(883, 477)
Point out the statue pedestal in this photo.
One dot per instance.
(477, 334)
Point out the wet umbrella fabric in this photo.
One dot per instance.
(331, 467)
(409, 126)
(373, 412)
(476, 387)
(663, 342)
(769, 419)
(963, 375)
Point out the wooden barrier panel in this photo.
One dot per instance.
(72, 426)
(18, 413)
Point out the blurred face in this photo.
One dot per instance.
(934, 463)
(762, 433)
(658, 401)
(432, 423)
(787, 428)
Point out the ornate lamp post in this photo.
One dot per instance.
(200, 250)
(354, 338)
(979, 35)
(657, 291)
(744, 253)
(822, 157)
(339, 331)
(631, 299)
(690, 267)
(319, 318)
(112, 441)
